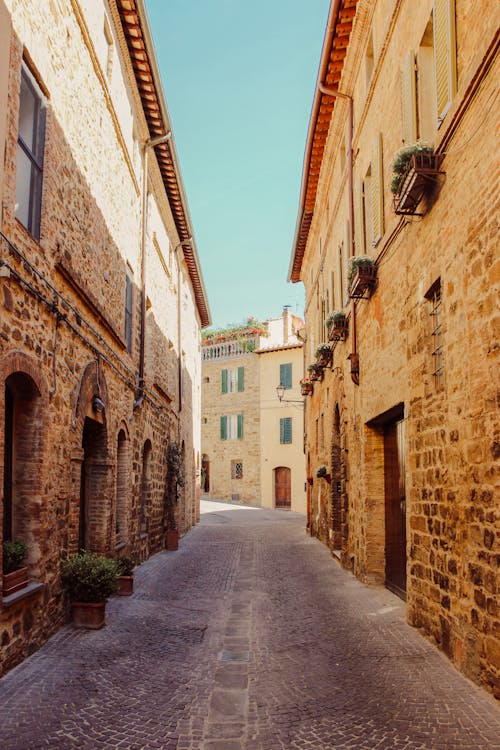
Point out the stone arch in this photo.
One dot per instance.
(92, 383)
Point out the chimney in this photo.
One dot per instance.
(286, 323)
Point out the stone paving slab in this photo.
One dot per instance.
(250, 637)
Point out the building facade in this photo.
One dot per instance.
(252, 442)
(405, 417)
(101, 300)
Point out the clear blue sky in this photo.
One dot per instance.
(239, 81)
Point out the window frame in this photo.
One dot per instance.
(35, 156)
(286, 434)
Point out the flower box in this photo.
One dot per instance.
(90, 615)
(125, 585)
(15, 581)
(363, 279)
(172, 540)
(421, 174)
(337, 328)
(306, 389)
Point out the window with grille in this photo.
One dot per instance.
(433, 297)
(236, 470)
(285, 430)
(29, 160)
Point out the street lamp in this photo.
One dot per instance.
(280, 392)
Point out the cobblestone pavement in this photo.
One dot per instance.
(250, 637)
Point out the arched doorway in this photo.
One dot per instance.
(22, 456)
(146, 493)
(94, 471)
(122, 468)
(205, 473)
(282, 488)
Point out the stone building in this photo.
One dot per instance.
(408, 407)
(252, 442)
(101, 299)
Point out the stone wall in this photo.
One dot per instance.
(451, 428)
(62, 325)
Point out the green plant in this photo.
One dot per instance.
(402, 159)
(88, 577)
(356, 262)
(322, 472)
(336, 317)
(126, 566)
(175, 480)
(14, 553)
(314, 367)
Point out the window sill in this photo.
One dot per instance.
(30, 590)
(143, 535)
(120, 546)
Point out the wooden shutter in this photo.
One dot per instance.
(241, 379)
(445, 60)
(223, 428)
(285, 430)
(359, 219)
(377, 181)
(286, 375)
(224, 381)
(345, 262)
(240, 426)
(409, 98)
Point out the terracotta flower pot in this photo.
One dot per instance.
(125, 585)
(88, 615)
(15, 581)
(172, 539)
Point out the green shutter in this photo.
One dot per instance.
(240, 426)
(224, 381)
(282, 431)
(286, 430)
(223, 428)
(286, 375)
(241, 379)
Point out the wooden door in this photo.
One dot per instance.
(395, 508)
(282, 487)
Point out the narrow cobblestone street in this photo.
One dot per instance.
(250, 636)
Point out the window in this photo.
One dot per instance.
(231, 427)
(233, 381)
(109, 56)
(129, 288)
(377, 195)
(445, 62)
(29, 162)
(236, 470)
(285, 430)
(434, 298)
(369, 61)
(286, 375)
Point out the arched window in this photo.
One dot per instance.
(22, 458)
(146, 488)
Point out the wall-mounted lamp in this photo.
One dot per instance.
(280, 392)
(98, 405)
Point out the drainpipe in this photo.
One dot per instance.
(353, 356)
(179, 323)
(151, 143)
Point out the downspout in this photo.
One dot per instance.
(353, 356)
(179, 325)
(151, 143)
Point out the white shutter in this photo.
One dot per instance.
(377, 181)
(359, 219)
(445, 62)
(409, 99)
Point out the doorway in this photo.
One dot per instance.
(395, 507)
(92, 485)
(282, 488)
(205, 473)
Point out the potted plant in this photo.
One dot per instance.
(337, 326)
(175, 480)
(414, 169)
(88, 580)
(126, 567)
(324, 355)
(362, 275)
(315, 371)
(15, 574)
(306, 387)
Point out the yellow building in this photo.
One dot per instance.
(252, 442)
(398, 252)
